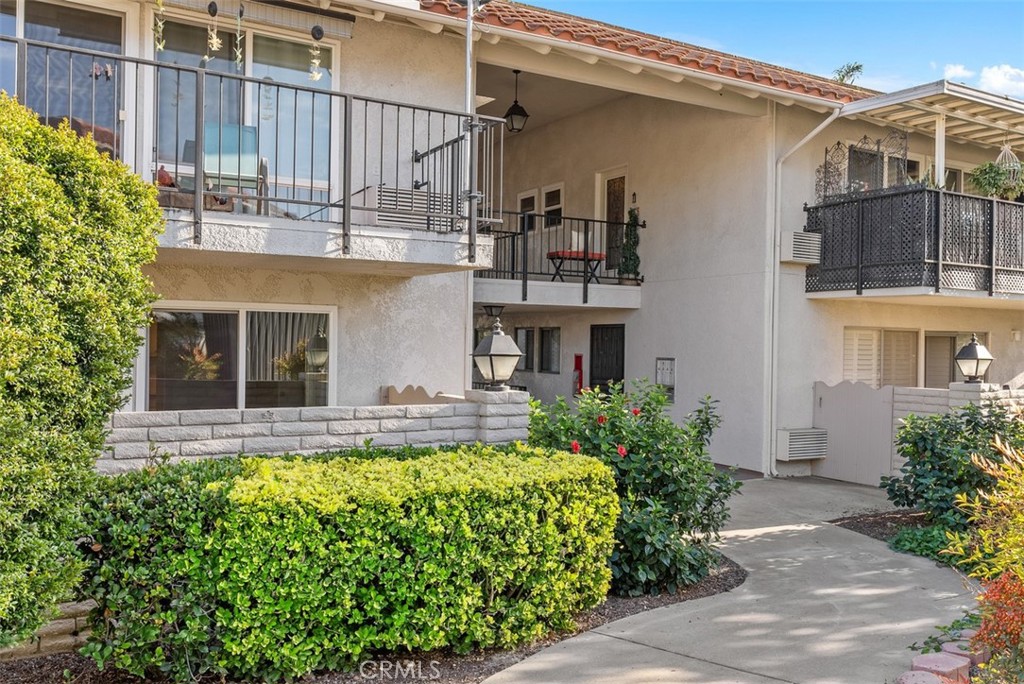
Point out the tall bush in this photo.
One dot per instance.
(674, 501)
(938, 467)
(75, 228)
(263, 569)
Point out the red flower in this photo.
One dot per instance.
(575, 447)
(622, 451)
(601, 420)
(636, 412)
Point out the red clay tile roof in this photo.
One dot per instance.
(583, 31)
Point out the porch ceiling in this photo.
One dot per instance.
(547, 99)
(972, 115)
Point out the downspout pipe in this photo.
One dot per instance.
(771, 425)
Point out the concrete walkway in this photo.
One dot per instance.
(820, 605)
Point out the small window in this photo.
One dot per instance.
(550, 349)
(524, 340)
(954, 180)
(880, 357)
(553, 205)
(528, 203)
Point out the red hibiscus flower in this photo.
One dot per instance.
(622, 451)
(575, 447)
(601, 420)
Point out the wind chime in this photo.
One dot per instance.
(315, 72)
(158, 27)
(213, 41)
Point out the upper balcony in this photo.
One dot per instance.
(284, 168)
(557, 261)
(917, 240)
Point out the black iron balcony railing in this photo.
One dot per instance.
(556, 249)
(259, 146)
(916, 236)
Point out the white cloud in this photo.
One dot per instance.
(1002, 80)
(956, 72)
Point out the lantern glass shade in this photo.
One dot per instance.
(515, 117)
(973, 360)
(317, 351)
(496, 357)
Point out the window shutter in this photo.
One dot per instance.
(861, 357)
(899, 358)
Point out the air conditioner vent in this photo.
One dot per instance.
(801, 248)
(801, 444)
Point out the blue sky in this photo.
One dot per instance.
(900, 43)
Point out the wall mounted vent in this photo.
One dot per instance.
(801, 444)
(800, 247)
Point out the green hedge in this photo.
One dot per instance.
(269, 568)
(75, 229)
(938, 468)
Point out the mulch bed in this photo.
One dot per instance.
(881, 526)
(441, 667)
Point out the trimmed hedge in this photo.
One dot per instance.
(263, 568)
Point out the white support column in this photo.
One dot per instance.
(940, 150)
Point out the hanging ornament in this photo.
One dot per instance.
(239, 55)
(158, 27)
(1009, 163)
(213, 41)
(315, 72)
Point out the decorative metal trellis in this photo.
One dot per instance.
(869, 164)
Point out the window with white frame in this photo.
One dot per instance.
(880, 357)
(553, 201)
(202, 359)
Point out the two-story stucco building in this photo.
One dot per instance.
(350, 224)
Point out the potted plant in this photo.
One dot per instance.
(629, 267)
(992, 180)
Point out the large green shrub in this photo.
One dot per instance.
(674, 501)
(75, 228)
(938, 468)
(271, 568)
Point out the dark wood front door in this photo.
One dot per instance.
(615, 215)
(607, 354)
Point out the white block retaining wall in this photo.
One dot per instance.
(488, 417)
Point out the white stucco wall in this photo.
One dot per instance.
(404, 64)
(700, 179)
(810, 344)
(390, 330)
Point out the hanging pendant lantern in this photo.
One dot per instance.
(1009, 163)
(516, 116)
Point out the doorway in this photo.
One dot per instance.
(607, 355)
(612, 209)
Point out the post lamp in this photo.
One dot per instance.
(317, 351)
(973, 360)
(497, 355)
